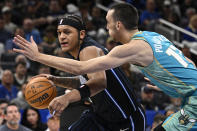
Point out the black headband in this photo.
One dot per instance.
(67, 21)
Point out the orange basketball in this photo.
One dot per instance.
(39, 92)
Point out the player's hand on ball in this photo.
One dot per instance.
(58, 104)
(48, 76)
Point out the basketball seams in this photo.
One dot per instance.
(47, 99)
(49, 82)
(40, 92)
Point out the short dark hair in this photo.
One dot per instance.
(21, 63)
(11, 104)
(2, 100)
(127, 14)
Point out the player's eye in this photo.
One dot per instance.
(58, 33)
(66, 32)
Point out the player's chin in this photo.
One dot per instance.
(65, 49)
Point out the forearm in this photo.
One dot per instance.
(94, 88)
(75, 66)
(64, 64)
(73, 96)
(71, 82)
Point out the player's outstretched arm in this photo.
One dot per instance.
(118, 56)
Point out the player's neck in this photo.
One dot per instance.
(75, 52)
(127, 36)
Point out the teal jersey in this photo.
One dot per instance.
(170, 70)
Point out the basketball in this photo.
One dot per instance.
(39, 92)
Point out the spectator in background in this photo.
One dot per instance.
(187, 4)
(22, 58)
(32, 119)
(173, 18)
(35, 9)
(192, 27)
(97, 18)
(187, 16)
(4, 34)
(84, 11)
(175, 104)
(166, 9)
(1, 73)
(43, 69)
(149, 16)
(17, 16)
(3, 105)
(147, 99)
(7, 16)
(53, 123)
(20, 99)
(171, 8)
(12, 116)
(7, 89)
(20, 75)
(50, 40)
(64, 4)
(55, 9)
(169, 112)
(29, 29)
(9, 45)
(158, 119)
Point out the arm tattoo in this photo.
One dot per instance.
(71, 82)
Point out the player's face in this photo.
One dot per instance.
(68, 37)
(111, 25)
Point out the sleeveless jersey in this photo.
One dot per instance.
(170, 70)
(117, 101)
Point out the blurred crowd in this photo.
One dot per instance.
(38, 18)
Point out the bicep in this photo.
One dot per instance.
(89, 53)
(116, 57)
(97, 81)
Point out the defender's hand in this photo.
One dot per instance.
(29, 49)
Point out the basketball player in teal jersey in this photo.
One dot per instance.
(156, 57)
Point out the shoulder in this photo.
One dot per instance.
(91, 48)
(90, 52)
(136, 44)
(35, 32)
(2, 87)
(14, 88)
(90, 40)
(3, 127)
(23, 128)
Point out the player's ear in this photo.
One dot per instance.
(118, 24)
(82, 34)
